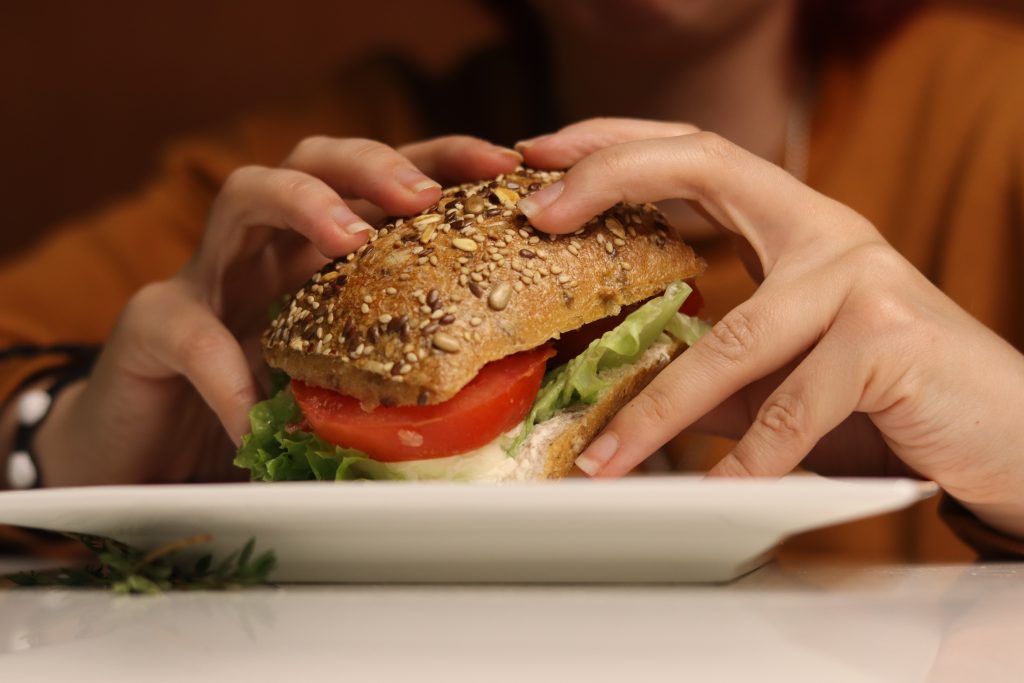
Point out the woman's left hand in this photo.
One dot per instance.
(846, 358)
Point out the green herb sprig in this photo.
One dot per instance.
(125, 569)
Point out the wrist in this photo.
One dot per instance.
(55, 444)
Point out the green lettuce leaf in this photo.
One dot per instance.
(580, 379)
(274, 452)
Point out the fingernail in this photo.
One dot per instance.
(344, 219)
(357, 227)
(532, 205)
(505, 151)
(598, 453)
(529, 142)
(415, 181)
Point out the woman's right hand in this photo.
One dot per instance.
(173, 386)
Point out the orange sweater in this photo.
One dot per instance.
(924, 136)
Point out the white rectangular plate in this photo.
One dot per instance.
(639, 529)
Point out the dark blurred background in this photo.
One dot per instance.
(91, 91)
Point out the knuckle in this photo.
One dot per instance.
(732, 338)
(883, 307)
(149, 298)
(876, 260)
(652, 406)
(198, 345)
(309, 147)
(364, 150)
(715, 148)
(607, 165)
(299, 188)
(242, 178)
(782, 417)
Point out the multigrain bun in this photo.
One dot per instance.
(412, 316)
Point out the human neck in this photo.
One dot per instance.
(741, 87)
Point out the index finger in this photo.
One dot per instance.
(745, 194)
(750, 342)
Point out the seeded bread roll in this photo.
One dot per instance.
(412, 316)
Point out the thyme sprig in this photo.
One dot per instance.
(125, 569)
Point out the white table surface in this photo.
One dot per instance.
(802, 623)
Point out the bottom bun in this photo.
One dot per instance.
(552, 448)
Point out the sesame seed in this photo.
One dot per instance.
(364, 308)
(384, 318)
(464, 244)
(475, 320)
(405, 369)
(476, 290)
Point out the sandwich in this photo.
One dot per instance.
(463, 344)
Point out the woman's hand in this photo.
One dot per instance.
(174, 383)
(843, 339)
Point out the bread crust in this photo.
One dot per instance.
(589, 420)
(413, 315)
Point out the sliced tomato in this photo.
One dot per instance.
(573, 343)
(693, 303)
(496, 400)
